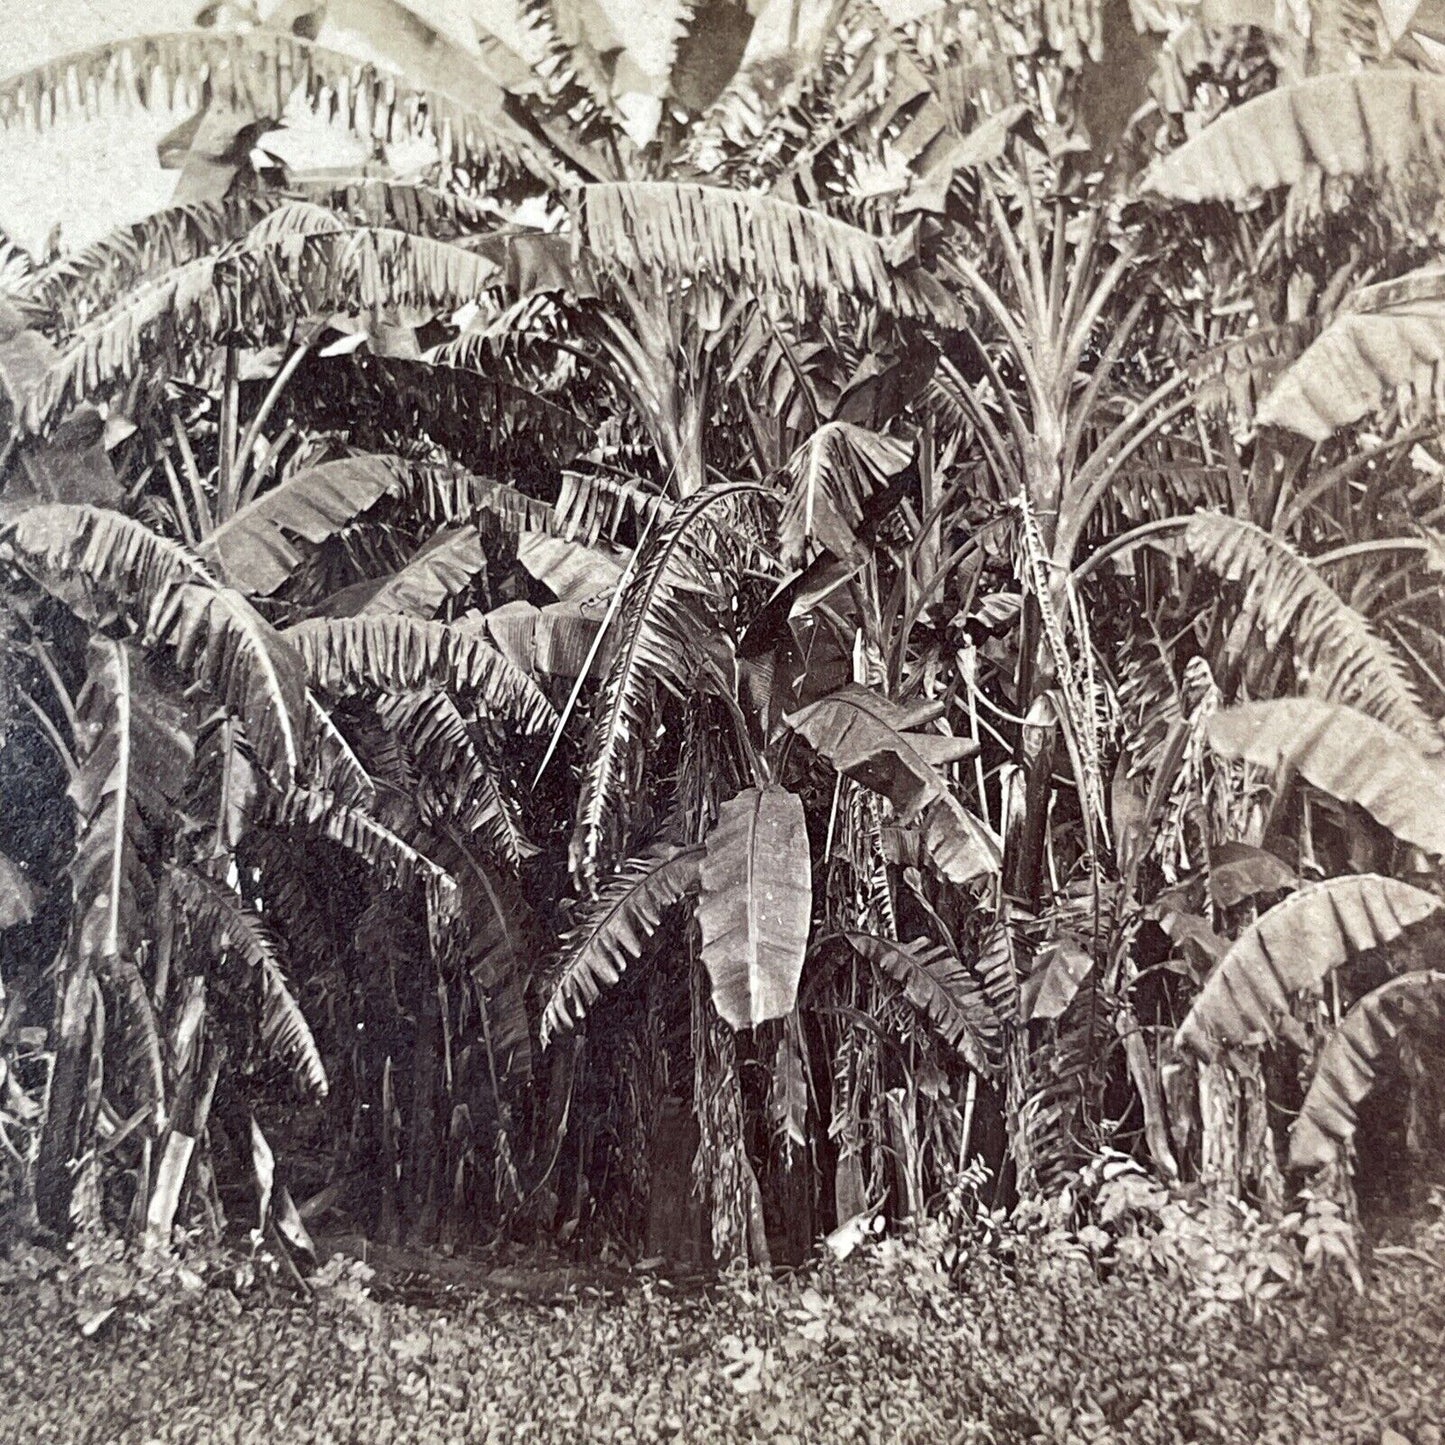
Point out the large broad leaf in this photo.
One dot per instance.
(233, 929)
(573, 571)
(217, 635)
(1346, 754)
(1294, 606)
(1292, 949)
(616, 928)
(441, 569)
(877, 742)
(756, 904)
(261, 72)
(17, 894)
(963, 847)
(935, 981)
(1350, 1062)
(1058, 972)
(1238, 871)
(1388, 336)
(1344, 125)
(737, 237)
(831, 477)
(254, 550)
(404, 654)
(135, 762)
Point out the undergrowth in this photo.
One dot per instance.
(1145, 1328)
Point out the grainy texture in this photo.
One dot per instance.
(868, 1353)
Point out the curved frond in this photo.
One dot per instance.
(739, 237)
(940, 986)
(833, 475)
(440, 569)
(1350, 1062)
(215, 632)
(1292, 949)
(658, 633)
(615, 929)
(255, 292)
(396, 654)
(253, 549)
(437, 734)
(755, 904)
(96, 275)
(1346, 754)
(230, 927)
(1387, 337)
(1333, 645)
(396, 861)
(1362, 124)
(259, 73)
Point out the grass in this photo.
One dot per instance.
(879, 1349)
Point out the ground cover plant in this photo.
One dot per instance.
(1035, 1338)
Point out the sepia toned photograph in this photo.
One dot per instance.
(722, 721)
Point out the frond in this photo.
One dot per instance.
(1333, 645)
(230, 927)
(255, 291)
(396, 861)
(657, 639)
(755, 904)
(216, 634)
(1292, 949)
(442, 568)
(468, 790)
(94, 277)
(833, 475)
(396, 654)
(253, 549)
(591, 506)
(615, 929)
(420, 210)
(737, 238)
(1346, 754)
(1387, 338)
(1375, 123)
(1350, 1062)
(331, 761)
(259, 74)
(939, 985)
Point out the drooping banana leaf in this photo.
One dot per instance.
(936, 982)
(615, 930)
(1366, 124)
(1351, 1060)
(1347, 754)
(254, 550)
(878, 743)
(756, 904)
(1292, 949)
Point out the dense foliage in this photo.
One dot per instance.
(757, 654)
